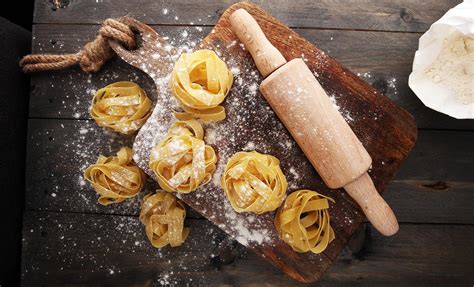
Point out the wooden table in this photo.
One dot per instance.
(69, 238)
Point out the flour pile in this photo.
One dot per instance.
(454, 66)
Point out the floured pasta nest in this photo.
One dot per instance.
(254, 182)
(122, 106)
(163, 216)
(303, 221)
(182, 161)
(115, 178)
(200, 81)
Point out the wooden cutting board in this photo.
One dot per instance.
(387, 131)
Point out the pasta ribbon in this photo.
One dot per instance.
(115, 178)
(163, 216)
(200, 81)
(254, 182)
(123, 106)
(182, 161)
(303, 221)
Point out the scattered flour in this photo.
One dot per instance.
(247, 112)
(250, 146)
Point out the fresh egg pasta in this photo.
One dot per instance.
(163, 216)
(254, 182)
(303, 221)
(182, 161)
(200, 81)
(123, 107)
(115, 178)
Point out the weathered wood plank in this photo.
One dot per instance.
(88, 249)
(429, 201)
(441, 155)
(59, 150)
(67, 93)
(386, 64)
(399, 15)
(85, 249)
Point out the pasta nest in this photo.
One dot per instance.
(254, 182)
(163, 216)
(201, 81)
(115, 178)
(303, 221)
(123, 106)
(182, 161)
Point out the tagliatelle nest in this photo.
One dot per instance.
(303, 221)
(200, 81)
(182, 161)
(123, 106)
(115, 178)
(163, 216)
(254, 182)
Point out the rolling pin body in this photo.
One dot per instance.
(319, 129)
(321, 132)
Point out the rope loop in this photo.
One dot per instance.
(92, 57)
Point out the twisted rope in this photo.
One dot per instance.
(91, 57)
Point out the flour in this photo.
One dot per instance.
(454, 66)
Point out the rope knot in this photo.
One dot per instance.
(91, 57)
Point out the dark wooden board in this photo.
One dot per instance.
(445, 193)
(399, 15)
(106, 250)
(370, 62)
(386, 130)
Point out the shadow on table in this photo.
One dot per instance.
(15, 42)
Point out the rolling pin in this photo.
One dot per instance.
(319, 129)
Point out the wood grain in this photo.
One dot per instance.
(388, 74)
(427, 201)
(445, 193)
(399, 15)
(86, 249)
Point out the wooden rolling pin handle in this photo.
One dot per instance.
(363, 191)
(266, 56)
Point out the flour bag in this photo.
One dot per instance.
(443, 68)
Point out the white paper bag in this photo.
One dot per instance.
(437, 96)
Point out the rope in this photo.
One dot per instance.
(91, 57)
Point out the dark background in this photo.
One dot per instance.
(15, 41)
(19, 12)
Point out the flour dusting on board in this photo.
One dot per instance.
(250, 125)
